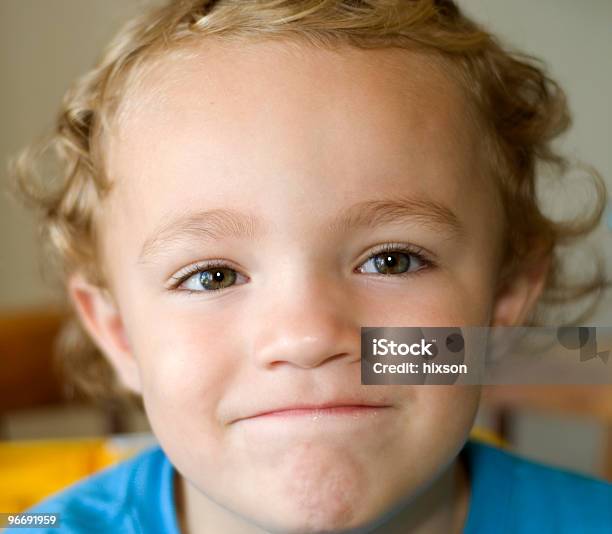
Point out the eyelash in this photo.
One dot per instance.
(410, 250)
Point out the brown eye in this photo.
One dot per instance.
(392, 262)
(207, 278)
(218, 278)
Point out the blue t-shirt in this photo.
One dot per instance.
(509, 495)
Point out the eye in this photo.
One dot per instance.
(200, 278)
(394, 260)
(388, 260)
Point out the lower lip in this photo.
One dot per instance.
(333, 411)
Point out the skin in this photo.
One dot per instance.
(293, 135)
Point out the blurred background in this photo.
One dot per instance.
(45, 44)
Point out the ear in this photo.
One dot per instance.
(100, 316)
(517, 298)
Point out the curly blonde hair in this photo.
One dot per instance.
(520, 108)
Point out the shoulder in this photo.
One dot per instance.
(111, 500)
(539, 496)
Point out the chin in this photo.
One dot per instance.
(318, 516)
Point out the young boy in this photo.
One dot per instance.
(249, 183)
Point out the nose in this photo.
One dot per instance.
(307, 326)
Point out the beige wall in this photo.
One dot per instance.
(45, 43)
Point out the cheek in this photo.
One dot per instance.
(186, 362)
(446, 410)
(437, 425)
(463, 294)
(443, 299)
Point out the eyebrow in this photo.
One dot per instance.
(403, 209)
(217, 224)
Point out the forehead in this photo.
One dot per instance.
(217, 121)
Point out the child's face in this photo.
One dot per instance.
(270, 160)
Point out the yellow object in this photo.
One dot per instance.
(487, 436)
(32, 470)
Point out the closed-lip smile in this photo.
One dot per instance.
(322, 409)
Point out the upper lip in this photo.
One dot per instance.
(315, 406)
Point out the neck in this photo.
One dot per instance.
(441, 507)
